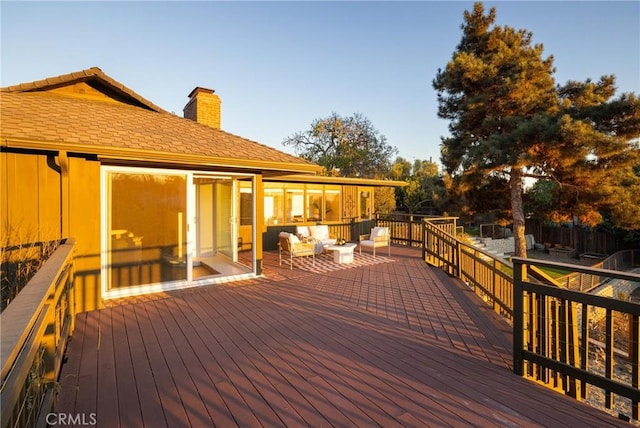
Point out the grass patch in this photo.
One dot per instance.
(554, 273)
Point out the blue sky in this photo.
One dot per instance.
(277, 66)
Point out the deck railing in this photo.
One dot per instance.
(405, 229)
(574, 341)
(35, 328)
(490, 277)
(568, 340)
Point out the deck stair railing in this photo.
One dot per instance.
(35, 328)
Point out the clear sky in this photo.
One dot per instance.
(277, 66)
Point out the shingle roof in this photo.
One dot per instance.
(28, 113)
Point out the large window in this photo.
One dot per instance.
(314, 203)
(246, 203)
(332, 204)
(366, 202)
(294, 204)
(286, 203)
(273, 205)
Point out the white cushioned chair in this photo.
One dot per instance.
(289, 243)
(321, 233)
(379, 237)
(303, 233)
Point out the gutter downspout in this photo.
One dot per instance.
(62, 168)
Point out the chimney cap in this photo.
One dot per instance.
(200, 89)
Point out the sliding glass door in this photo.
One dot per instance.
(225, 220)
(165, 229)
(146, 228)
(216, 228)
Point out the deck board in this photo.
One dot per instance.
(127, 397)
(173, 411)
(69, 379)
(87, 383)
(183, 364)
(392, 343)
(150, 404)
(108, 391)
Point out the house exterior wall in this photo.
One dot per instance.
(39, 203)
(84, 225)
(63, 203)
(350, 201)
(29, 198)
(58, 196)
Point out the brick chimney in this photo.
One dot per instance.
(203, 107)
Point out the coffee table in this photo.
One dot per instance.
(342, 253)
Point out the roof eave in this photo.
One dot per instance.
(323, 179)
(116, 154)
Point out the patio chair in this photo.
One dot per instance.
(289, 243)
(303, 233)
(379, 237)
(321, 233)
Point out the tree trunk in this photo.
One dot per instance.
(517, 210)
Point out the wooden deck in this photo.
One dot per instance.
(395, 343)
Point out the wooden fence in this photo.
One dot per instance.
(405, 229)
(581, 239)
(35, 328)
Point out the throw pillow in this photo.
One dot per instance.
(294, 239)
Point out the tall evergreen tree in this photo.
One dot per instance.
(508, 118)
(597, 141)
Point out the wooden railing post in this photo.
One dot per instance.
(458, 261)
(634, 342)
(424, 239)
(410, 231)
(518, 317)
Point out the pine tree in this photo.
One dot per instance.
(508, 119)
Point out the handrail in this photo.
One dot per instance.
(553, 341)
(35, 328)
(553, 329)
(406, 230)
(489, 276)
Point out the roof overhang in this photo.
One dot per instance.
(322, 179)
(158, 158)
